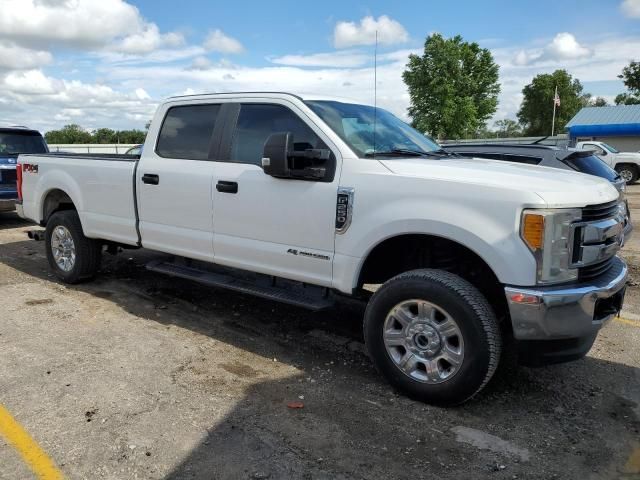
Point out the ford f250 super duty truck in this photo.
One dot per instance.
(305, 199)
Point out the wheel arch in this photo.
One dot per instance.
(408, 251)
(55, 200)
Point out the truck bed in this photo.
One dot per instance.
(101, 186)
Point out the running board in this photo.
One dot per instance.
(263, 286)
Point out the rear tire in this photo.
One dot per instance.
(72, 256)
(433, 336)
(628, 172)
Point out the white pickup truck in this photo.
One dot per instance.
(627, 164)
(299, 200)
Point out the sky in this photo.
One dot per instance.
(108, 63)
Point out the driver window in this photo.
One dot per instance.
(256, 122)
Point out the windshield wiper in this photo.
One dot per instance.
(397, 151)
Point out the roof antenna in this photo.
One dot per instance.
(375, 93)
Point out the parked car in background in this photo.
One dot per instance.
(627, 164)
(583, 161)
(14, 141)
(293, 199)
(135, 150)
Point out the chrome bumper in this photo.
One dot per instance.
(563, 312)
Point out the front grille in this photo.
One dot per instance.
(591, 213)
(595, 270)
(597, 239)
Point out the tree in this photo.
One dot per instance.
(104, 135)
(631, 78)
(76, 134)
(599, 102)
(536, 110)
(72, 133)
(587, 100)
(453, 87)
(507, 128)
(626, 99)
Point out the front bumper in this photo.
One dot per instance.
(564, 312)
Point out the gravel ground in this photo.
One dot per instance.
(137, 375)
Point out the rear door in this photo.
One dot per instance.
(174, 182)
(283, 227)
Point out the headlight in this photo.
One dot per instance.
(549, 236)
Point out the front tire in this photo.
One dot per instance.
(629, 173)
(72, 256)
(433, 336)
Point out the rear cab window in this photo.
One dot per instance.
(14, 142)
(187, 132)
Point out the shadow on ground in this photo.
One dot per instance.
(574, 420)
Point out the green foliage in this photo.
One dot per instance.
(76, 134)
(453, 87)
(627, 99)
(631, 78)
(588, 100)
(507, 128)
(536, 111)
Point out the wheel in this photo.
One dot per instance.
(433, 336)
(72, 256)
(629, 173)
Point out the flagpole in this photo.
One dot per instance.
(553, 122)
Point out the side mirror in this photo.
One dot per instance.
(275, 154)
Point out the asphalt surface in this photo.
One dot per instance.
(137, 375)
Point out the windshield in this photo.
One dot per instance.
(354, 124)
(610, 148)
(591, 165)
(15, 142)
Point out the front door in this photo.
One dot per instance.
(174, 183)
(282, 227)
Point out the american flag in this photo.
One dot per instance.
(556, 99)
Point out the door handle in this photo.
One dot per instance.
(227, 187)
(150, 179)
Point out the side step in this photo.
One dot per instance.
(311, 298)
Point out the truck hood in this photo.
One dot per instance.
(558, 188)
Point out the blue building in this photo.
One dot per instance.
(618, 126)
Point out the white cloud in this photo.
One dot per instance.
(45, 102)
(201, 63)
(564, 46)
(349, 34)
(345, 58)
(81, 24)
(15, 57)
(148, 40)
(31, 82)
(631, 8)
(218, 41)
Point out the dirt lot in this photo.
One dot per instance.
(137, 375)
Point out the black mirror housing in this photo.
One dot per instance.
(275, 154)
